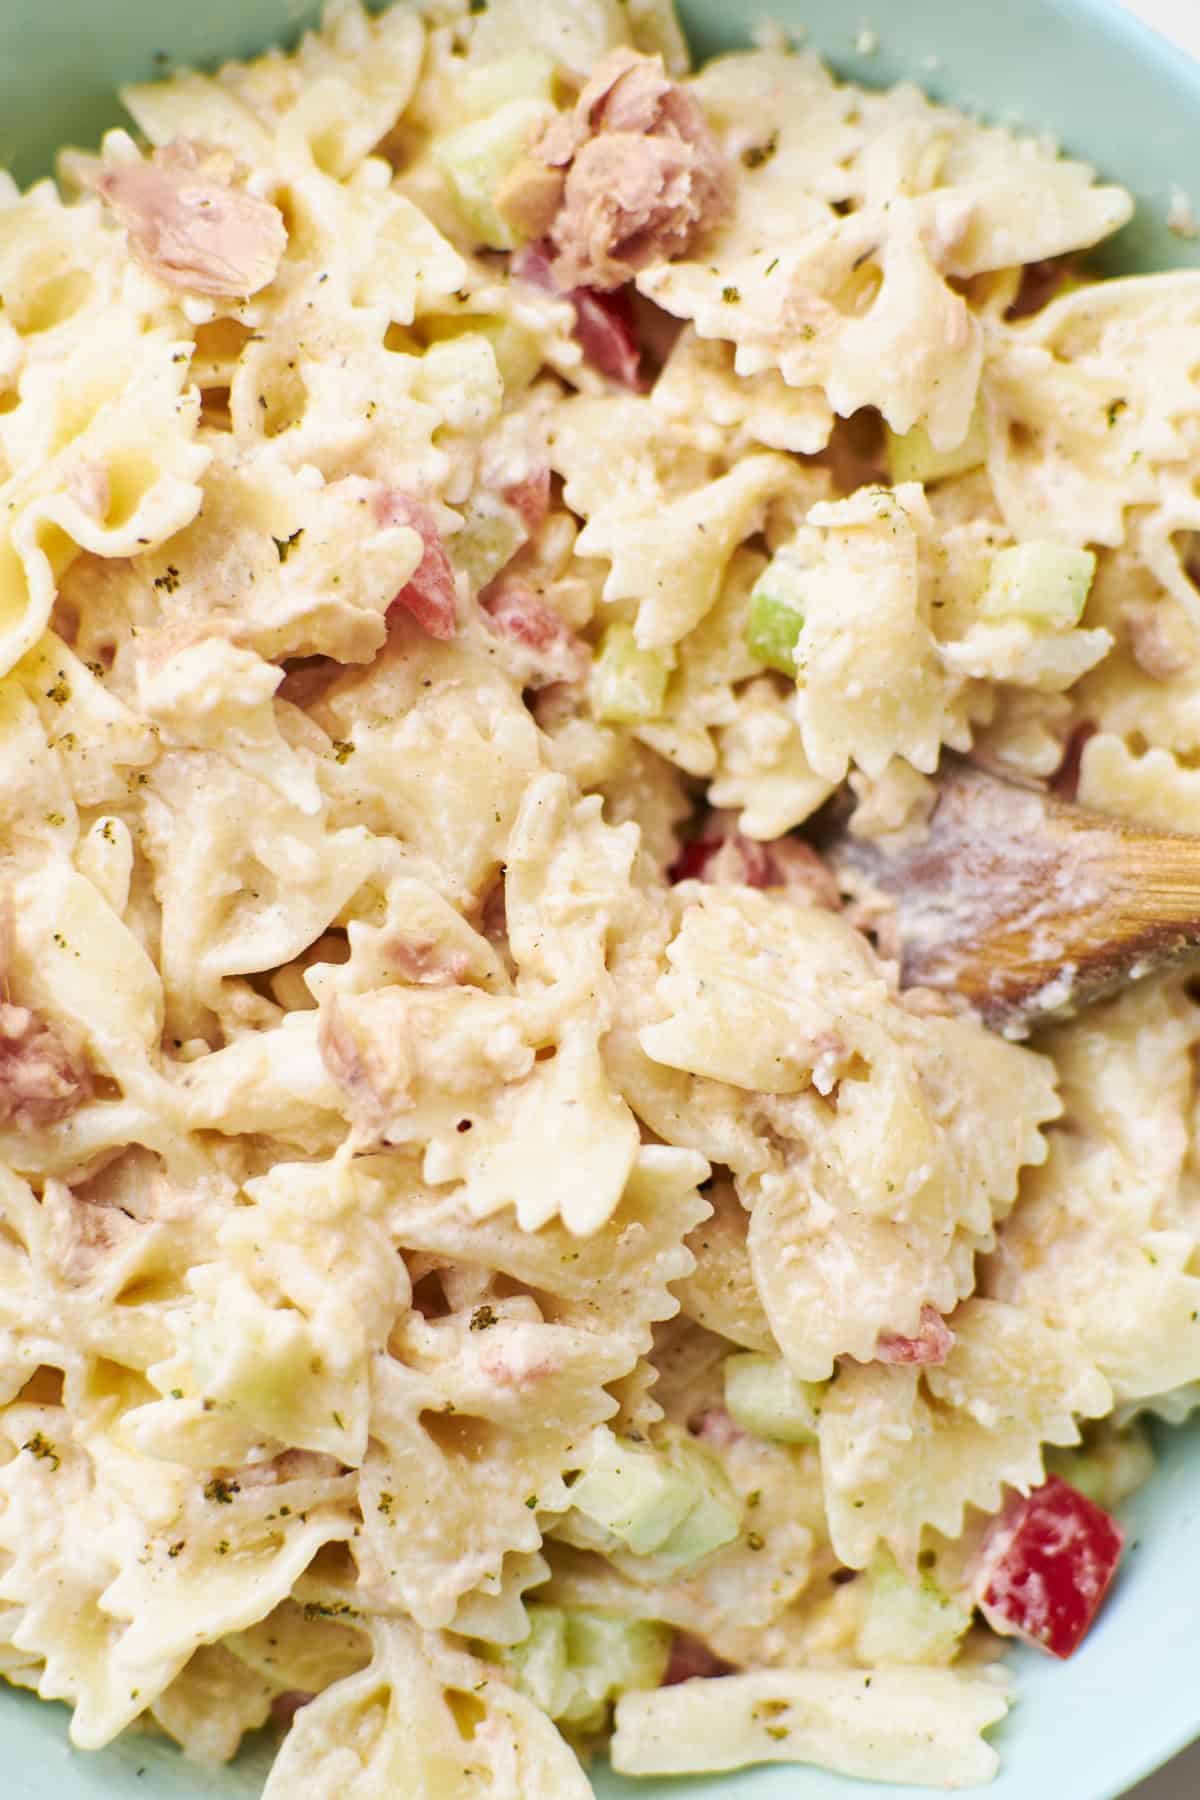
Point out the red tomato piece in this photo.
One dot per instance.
(430, 596)
(531, 498)
(603, 322)
(1046, 1567)
(604, 327)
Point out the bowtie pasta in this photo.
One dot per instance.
(493, 1266)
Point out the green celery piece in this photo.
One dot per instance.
(609, 1656)
(539, 1663)
(765, 1397)
(476, 158)
(1044, 583)
(913, 457)
(525, 75)
(629, 684)
(908, 1622)
(632, 1492)
(776, 618)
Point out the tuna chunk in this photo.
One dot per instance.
(41, 1079)
(190, 225)
(641, 176)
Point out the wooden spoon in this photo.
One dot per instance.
(1028, 906)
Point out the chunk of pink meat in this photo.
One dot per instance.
(642, 173)
(717, 1427)
(191, 226)
(517, 1361)
(423, 963)
(89, 486)
(604, 324)
(1065, 780)
(932, 1344)
(429, 597)
(530, 498)
(730, 858)
(1154, 648)
(1046, 1566)
(41, 1079)
(285, 1706)
(521, 615)
(690, 1659)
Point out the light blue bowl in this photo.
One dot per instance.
(1114, 93)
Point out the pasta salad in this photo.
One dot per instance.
(495, 1268)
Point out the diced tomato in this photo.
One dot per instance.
(932, 1344)
(430, 596)
(1046, 1567)
(693, 858)
(531, 498)
(603, 322)
(689, 1658)
(604, 327)
(731, 859)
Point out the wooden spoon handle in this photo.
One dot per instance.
(1029, 906)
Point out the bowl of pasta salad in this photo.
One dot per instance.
(506, 1287)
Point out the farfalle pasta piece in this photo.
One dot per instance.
(251, 881)
(472, 1433)
(327, 106)
(120, 414)
(905, 1448)
(700, 390)
(759, 993)
(671, 561)
(912, 1725)
(880, 1213)
(617, 1282)
(285, 1342)
(712, 665)
(399, 1726)
(870, 681)
(290, 566)
(500, 1158)
(852, 209)
(762, 772)
(441, 751)
(1111, 1212)
(212, 1703)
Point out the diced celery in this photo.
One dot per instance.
(459, 376)
(776, 616)
(518, 351)
(538, 1664)
(765, 1397)
(632, 1492)
(714, 1520)
(608, 1656)
(671, 1502)
(476, 158)
(908, 1622)
(525, 75)
(1108, 1467)
(1042, 582)
(574, 1663)
(491, 535)
(913, 457)
(629, 685)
